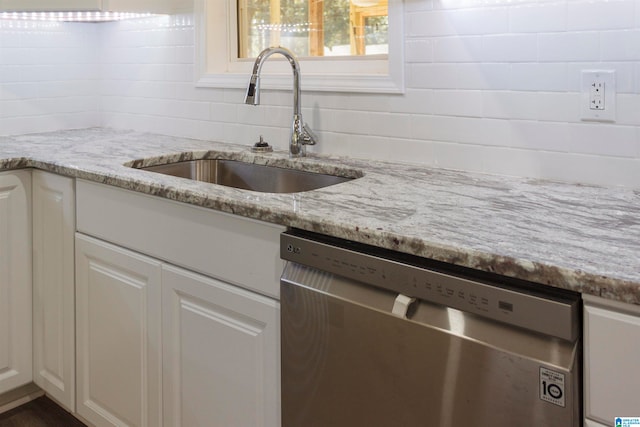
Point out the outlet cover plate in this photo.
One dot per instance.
(606, 80)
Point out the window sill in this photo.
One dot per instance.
(309, 82)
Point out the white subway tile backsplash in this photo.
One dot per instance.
(466, 103)
(389, 125)
(628, 110)
(372, 147)
(569, 47)
(428, 24)
(486, 20)
(350, 122)
(15, 91)
(459, 76)
(367, 102)
(412, 151)
(458, 156)
(458, 22)
(223, 113)
(538, 17)
(461, 130)
(413, 101)
(510, 105)
(491, 86)
(47, 77)
(536, 135)
(510, 48)
(184, 54)
(418, 6)
(538, 77)
(621, 45)
(590, 169)
(603, 139)
(419, 50)
(457, 49)
(601, 15)
(179, 72)
(11, 74)
(558, 106)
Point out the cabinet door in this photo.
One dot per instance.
(612, 372)
(118, 335)
(53, 287)
(220, 354)
(15, 280)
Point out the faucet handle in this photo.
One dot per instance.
(252, 96)
(308, 137)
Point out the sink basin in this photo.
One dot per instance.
(247, 176)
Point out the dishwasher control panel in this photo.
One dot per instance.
(545, 315)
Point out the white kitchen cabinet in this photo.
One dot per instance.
(54, 287)
(118, 299)
(612, 372)
(15, 280)
(220, 353)
(220, 314)
(140, 6)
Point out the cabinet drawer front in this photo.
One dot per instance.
(238, 250)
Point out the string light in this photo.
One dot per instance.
(287, 28)
(73, 16)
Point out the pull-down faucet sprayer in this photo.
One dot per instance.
(301, 135)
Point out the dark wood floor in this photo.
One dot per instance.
(41, 412)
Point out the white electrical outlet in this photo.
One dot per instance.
(598, 95)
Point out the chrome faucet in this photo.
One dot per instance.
(301, 135)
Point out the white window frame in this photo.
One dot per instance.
(218, 67)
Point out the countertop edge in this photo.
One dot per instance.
(549, 275)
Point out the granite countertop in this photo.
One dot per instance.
(577, 237)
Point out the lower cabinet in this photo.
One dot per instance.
(612, 373)
(186, 335)
(15, 280)
(220, 353)
(117, 335)
(160, 345)
(53, 286)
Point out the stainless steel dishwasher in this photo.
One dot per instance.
(371, 337)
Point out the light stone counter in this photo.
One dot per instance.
(576, 237)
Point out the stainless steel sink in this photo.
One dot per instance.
(247, 176)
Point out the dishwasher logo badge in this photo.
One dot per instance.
(552, 386)
(293, 249)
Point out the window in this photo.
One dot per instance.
(342, 45)
(312, 28)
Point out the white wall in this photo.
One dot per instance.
(48, 76)
(491, 86)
